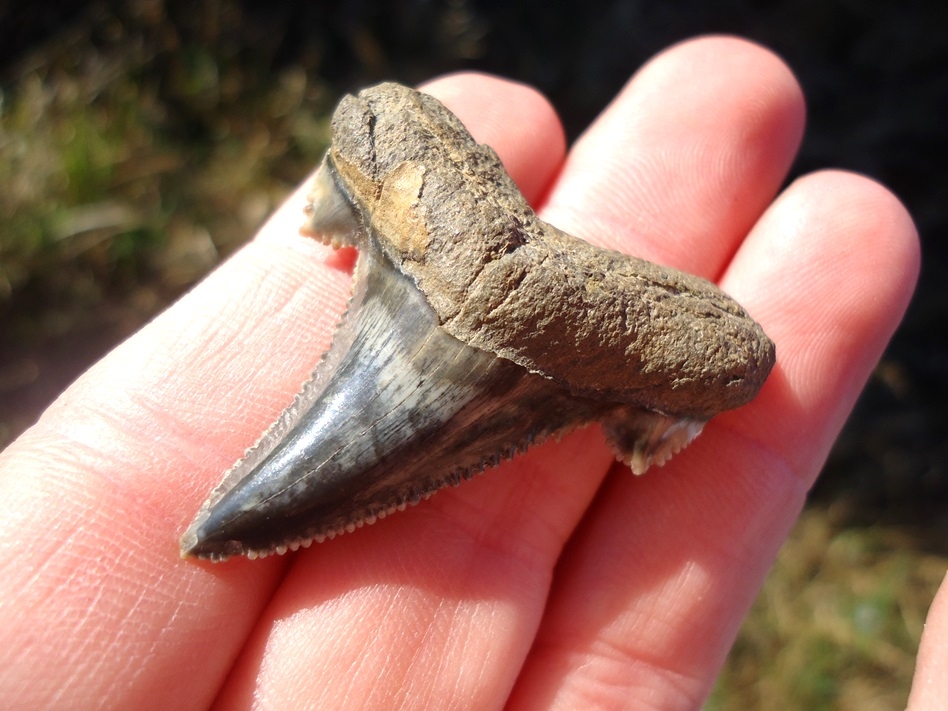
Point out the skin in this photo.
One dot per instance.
(557, 580)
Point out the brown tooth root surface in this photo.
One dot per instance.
(474, 331)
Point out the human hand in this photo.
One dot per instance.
(557, 579)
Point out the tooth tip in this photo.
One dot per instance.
(189, 544)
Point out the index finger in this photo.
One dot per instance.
(97, 492)
(653, 588)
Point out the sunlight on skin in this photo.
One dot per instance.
(557, 579)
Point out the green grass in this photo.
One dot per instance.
(837, 623)
(135, 154)
(129, 173)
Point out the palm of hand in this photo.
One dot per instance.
(558, 579)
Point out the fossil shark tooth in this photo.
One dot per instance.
(474, 331)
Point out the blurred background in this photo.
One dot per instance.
(141, 142)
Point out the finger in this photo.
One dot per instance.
(664, 568)
(684, 161)
(451, 563)
(399, 606)
(930, 685)
(98, 491)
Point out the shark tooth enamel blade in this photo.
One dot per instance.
(474, 331)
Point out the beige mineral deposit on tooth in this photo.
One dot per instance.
(474, 331)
